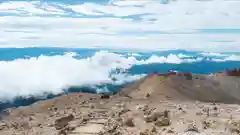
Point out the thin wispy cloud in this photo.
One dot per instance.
(131, 24)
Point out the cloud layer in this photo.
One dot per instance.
(52, 74)
(126, 24)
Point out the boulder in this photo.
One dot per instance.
(128, 121)
(3, 125)
(163, 122)
(153, 116)
(63, 121)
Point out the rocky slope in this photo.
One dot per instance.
(159, 104)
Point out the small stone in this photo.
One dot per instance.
(3, 125)
(207, 111)
(68, 107)
(105, 96)
(180, 108)
(50, 125)
(199, 113)
(235, 127)
(164, 129)
(128, 122)
(154, 130)
(14, 125)
(151, 131)
(121, 105)
(149, 111)
(154, 116)
(209, 124)
(142, 107)
(166, 114)
(235, 130)
(38, 124)
(74, 124)
(53, 108)
(146, 132)
(150, 119)
(163, 122)
(123, 110)
(91, 106)
(83, 102)
(143, 133)
(62, 132)
(111, 127)
(147, 95)
(170, 130)
(85, 118)
(55, 113)
(30, 118)
(192, 128)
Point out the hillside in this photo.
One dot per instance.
(219, 87)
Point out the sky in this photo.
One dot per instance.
(203, 25)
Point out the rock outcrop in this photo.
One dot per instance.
(187, 86)
(233, 72)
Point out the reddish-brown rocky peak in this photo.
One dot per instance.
(233, 72)
(170, 72)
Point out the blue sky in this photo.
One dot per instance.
(132, 24)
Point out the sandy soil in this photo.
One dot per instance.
(177, 104)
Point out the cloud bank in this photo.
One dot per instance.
(52, 74)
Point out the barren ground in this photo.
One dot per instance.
(156, 105)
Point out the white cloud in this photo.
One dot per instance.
(54, 73)
(51, 73)
(117, 32)
(28, 8)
